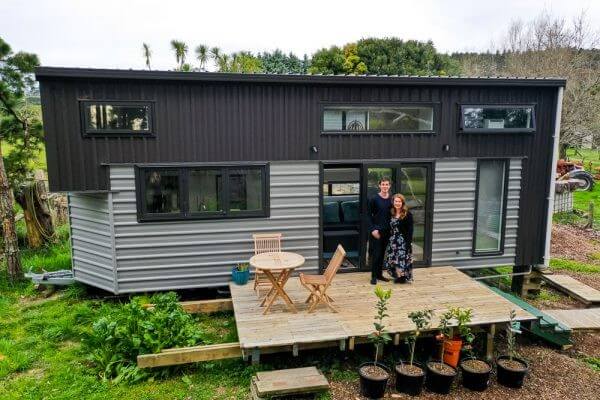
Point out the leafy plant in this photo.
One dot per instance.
(464, 316)
(380, 337)
(444, 328)
(241, 267)
(511, 337)
(117, 339)
(422, 321)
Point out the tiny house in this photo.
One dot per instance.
(168, 174)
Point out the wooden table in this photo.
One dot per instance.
(277, 267)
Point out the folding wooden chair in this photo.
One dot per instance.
(265, 243)
(318, 284)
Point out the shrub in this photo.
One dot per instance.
(118, 338)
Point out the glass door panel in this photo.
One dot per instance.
(413, 185)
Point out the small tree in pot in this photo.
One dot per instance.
(410, 376)
(475, 372)
(241, 273)
(374, 376)
(439, 374)
(511, 368)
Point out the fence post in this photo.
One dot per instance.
(590, 216)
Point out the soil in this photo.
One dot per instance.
(441, 369)
(476, 366)
(575, 243)
(513, 365)
(411, 370)
(374, 372)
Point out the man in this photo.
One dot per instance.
(379, 228)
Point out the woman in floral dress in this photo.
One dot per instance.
(398, 254)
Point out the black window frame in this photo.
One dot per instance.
(474, 251)
(83, 117)
(435, 106)
(186, 214)
(461, 119)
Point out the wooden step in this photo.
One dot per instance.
(285, 382)
(587, 318)
(580, 291)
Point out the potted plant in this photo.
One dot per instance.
(475, 372)
(439, 374)
(410, 375)
(241, 273)
(511, 368)
(374, 376)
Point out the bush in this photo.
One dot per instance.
(117, 339)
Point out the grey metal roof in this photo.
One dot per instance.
(43, 73)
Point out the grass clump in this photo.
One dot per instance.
(574, 266)
(593, 362)
(118, 338)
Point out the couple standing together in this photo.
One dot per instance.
(390, 235)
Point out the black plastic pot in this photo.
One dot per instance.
(478, 381)
(410, 384)
(510, 377)
(373, 388)
(439, 383)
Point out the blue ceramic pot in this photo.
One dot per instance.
(240, 277)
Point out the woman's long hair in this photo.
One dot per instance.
(403, 210)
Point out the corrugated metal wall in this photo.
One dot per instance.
(92, 239)
(454, 213)
(187, 254)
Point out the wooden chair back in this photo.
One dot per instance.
(267, 242)
(335, 263)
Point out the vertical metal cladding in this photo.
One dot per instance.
(91, 239)
(454, 215)
(190, 254)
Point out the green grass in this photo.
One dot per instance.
(547, 295)
(575, 266)
(593, 362)
(582, 199)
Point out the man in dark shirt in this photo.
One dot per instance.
(379, 228)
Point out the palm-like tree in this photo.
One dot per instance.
(215, 54)
(147, 53)
(180, 49)
(202, 56)
(223, 63)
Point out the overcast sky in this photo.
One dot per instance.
(110, 33)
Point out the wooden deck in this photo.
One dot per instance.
(585, 319)
(571, 286)
(436, 288)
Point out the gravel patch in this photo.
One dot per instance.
(553, 375)
(574, 243)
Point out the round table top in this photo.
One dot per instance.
(277, 260)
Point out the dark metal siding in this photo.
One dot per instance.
(198, 121)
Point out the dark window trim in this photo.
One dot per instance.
(151, 132)
(474, 251)
(185, 214)
(436, 106)
(461, 122)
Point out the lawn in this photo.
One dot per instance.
(581, 200)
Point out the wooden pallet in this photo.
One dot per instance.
(587, 318)
(286, 382)
(580, 291)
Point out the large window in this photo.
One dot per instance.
(202, 192)
(490, 207)
(118, 117)
(378, 119)
(477, 118)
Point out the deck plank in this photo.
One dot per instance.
(435, 288)
(588, 318)
(574, 288)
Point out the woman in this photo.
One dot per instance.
(398, 254)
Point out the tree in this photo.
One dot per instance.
(352, 62)
(393, 56)
(18, 126)
(279, 63)
(180, 49)
(202, 56)
(147, 54)
(328, 61)
(215, 54)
